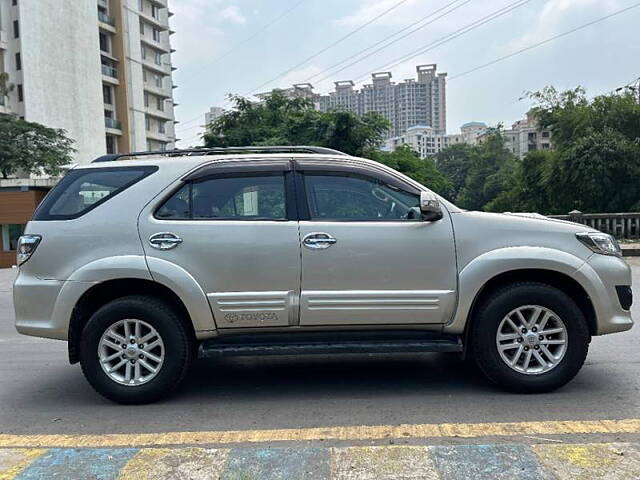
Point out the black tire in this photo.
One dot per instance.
(177, 343)
(485, 325)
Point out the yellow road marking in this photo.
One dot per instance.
(192, 463)
(376, 432)
(585, 456)
(18, 461)
(590, 461)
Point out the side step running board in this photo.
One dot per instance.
(217, 348)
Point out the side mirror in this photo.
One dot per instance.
(430, 207)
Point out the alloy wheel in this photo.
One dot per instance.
(131, 352)
(532, 339)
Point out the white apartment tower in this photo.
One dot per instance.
(427, 142)
(526, 136)
(100, 69)
(213, 114)
(420, 101)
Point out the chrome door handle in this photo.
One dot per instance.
(318, 240)
(164, 240)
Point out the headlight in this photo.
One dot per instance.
(600, 243)
(27, 244)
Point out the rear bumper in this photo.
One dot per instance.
(43, 308)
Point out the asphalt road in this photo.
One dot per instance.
(41, 393)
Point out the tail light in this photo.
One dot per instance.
(27, 244)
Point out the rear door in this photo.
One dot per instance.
(366, 258)
(232, 226)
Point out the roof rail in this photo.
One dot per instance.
(220, 151)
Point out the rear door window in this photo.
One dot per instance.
(246, 197)
(80, 191)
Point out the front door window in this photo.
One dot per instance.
(354, 198)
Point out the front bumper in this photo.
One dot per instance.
(625, 296)
(600, 276)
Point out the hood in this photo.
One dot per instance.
(479, 232)
(515, 224)
(538, 216)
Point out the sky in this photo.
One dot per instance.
(238, 46)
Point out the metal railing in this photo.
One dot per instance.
(109, 71)
(620, 225)
(160, 3)
(104, 18)
(112, 123)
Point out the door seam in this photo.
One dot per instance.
(296, 310)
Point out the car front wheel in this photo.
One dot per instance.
(529, 338)
(135, 350)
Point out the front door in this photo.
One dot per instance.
(237, 237)
(367, 259)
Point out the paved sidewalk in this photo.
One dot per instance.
(478, 462)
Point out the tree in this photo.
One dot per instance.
(408, 162)
(490, 172)
(32, 148)
(527, 190)
(597, 152)
(279, 120)
(454, 163)
(593, 167)
(598, 172)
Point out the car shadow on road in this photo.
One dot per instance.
(250, 379)
(432, 377)
(344, 375)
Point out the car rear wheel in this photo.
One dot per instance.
(135, 350)
(529, 338)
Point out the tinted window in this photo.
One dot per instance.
(177, 207)
(229, 198)
(82, 190)
(356, 198)
(10, 234)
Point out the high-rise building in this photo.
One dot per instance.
(213, 114)
(299, 90)
(413, 102)
(100, 69)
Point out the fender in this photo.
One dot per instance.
(133, 266)
(112, 268)
(474, 276)
(81, 280)
(187, 288)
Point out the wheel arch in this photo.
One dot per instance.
(104, 292)
(499, 267)
(561, 281)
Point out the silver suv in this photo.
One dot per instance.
(143, 262)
